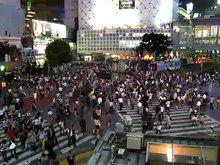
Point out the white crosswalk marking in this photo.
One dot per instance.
(28, 155)
(180, 125)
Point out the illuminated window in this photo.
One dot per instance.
(198, 31)
(206, 31)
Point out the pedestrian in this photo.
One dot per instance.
(211, 102)
(82, 123)
(43, 159)
(3, 149)
(2, 112)
(23, 137)
(71, 134)
(12, 148)
(31, 140)
(168, 121)
(202, 119)
(42, 138)
(158, 128)
(62, 128)
(52, 136)
(120, 101)
(218, 103)
(71, 159)
(10, 132)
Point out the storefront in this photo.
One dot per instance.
(178, 154)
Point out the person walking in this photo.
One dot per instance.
(71, 134)
(218, 103)
(62, 128)
(120, 101)
(211, 102)
(12, 148)
(3, 149)
(43, 159)
(71, 159)
(82, 123)
(42, 138)
(23, 137)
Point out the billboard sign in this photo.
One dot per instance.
(48, 29)
(126, 4)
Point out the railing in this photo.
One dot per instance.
(197, 140)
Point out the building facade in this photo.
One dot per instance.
(202, 35)
(47, 10)
(12, 18)
(11, 21)
(71, 13)
(118, 26)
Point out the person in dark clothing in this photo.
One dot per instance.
(52, 136)
(71, 136)
(3, 148)
(218, 156)
(82, 110)
(71, 159)
(82, 124)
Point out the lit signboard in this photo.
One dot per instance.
(126, 4)
(48, 29)
(40, 48)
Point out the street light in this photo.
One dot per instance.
(2, 68)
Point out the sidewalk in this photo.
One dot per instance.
(215, 91)
(81, 159)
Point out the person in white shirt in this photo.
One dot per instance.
(198, 104)
(50, 115)
(100, 101)
(120, 101)
(111, 108)
(60, 89)
(62, 129)
(139, 107)
(168, 106)
(35, 96)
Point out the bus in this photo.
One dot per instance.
(173, 64)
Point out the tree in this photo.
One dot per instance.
(45, 68)
(58, 52)
(6, 48)
(154, 43)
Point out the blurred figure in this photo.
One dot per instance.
(71, 159)
(218, 156)
(3, 148)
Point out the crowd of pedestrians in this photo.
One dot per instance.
(76, 87)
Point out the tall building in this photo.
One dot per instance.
(11, 21)
(117, 26)
(201, 34)
(47, 10)
(71, 13)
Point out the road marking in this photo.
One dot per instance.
(78, 143)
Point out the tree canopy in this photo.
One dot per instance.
(58, 52)
(6, 48)
(154, 43)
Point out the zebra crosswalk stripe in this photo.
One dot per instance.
(28, 155)
(181, 123)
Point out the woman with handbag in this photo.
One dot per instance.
(12, 148)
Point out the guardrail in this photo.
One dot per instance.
(197, 140)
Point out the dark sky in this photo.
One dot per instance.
(199, 5)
